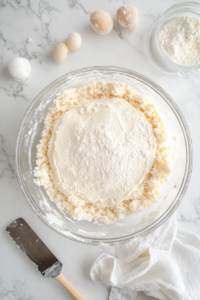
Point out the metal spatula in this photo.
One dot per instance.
(44, 260)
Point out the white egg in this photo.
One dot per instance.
(19, 68)
(74, 41)
(60, 52)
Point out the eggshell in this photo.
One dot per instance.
(101, 22)
(74, 41)
(127, 16)
(60, 52)
(19, 68)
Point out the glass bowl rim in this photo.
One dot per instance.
(187, 138)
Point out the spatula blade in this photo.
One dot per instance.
(28, 241)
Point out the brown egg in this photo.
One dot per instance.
(101, 22)
(127, 16)
(60, 52)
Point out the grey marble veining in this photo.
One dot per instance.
(47, 23)
(16, 290)
(6, 160)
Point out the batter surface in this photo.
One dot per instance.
(102, 154)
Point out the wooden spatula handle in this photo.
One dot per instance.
(70, 287)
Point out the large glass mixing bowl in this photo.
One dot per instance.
(136, 225)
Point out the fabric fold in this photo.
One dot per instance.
(164, 264)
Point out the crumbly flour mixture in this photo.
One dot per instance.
(102, 154)
(180, 40)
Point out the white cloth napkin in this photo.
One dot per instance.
(164, 264)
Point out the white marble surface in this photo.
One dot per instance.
(49, 22)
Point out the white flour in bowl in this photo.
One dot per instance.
(103, 152)
(180, 40)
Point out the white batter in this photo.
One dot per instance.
(101, 152)
(102, 143)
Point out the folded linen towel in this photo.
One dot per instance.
(164, 264)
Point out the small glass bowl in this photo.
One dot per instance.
(135, 225)
(154, 49)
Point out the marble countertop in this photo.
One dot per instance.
(47, 23)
